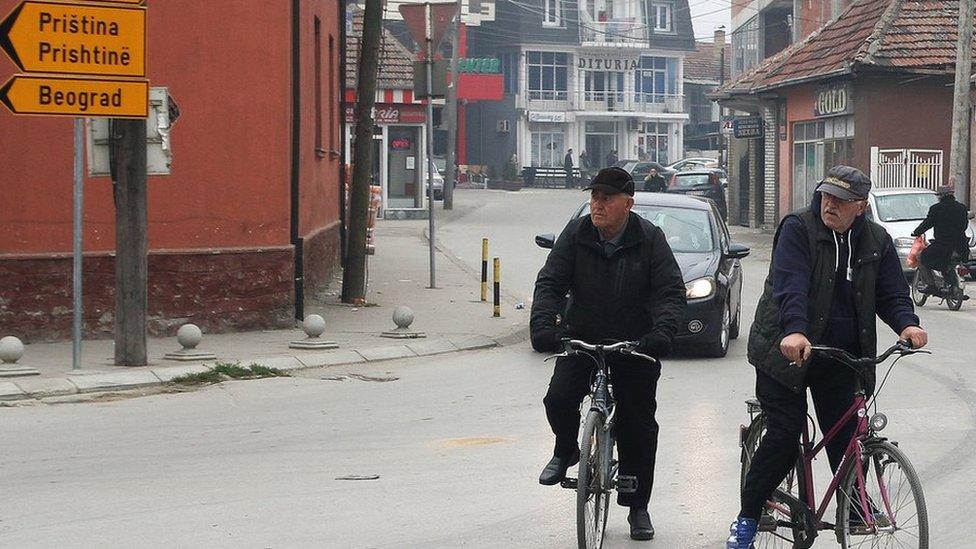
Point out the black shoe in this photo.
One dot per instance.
(640, 524)
(555, 470)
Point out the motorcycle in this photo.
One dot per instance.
(951, 289)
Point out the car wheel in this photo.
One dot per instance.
(734, 327)
(720, 346)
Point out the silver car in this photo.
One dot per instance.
(900, 210)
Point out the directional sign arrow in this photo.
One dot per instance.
(60, 37)
(26, 94)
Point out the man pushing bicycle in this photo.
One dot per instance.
(832, 272)
(624, 284)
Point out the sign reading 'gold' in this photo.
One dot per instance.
(25, 94)
(55, 37)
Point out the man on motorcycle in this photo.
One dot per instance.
(948, 219)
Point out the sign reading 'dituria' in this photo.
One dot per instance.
(54, 37)
(25, 94)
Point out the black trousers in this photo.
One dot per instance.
(635, 390)
(832, 387)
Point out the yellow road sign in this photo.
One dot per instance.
(60, 37)
(26, 94)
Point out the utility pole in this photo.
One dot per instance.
(131, 269)
(959, 149)
(722, 152)
(452, 115)
(354, 273)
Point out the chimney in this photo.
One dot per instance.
(719, 42)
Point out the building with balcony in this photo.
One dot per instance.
(601, 76)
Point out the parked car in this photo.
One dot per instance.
(693, 162)
(899, 211)
(438, 183)
(710, 267)
(639, 170)
(704, 182)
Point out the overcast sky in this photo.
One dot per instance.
(706, 15)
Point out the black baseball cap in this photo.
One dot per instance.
(846, 183)
(612, 181)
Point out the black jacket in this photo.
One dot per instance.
(638, 291)
(655, 184)
(568, 162)
(807, 292)
(949, 220)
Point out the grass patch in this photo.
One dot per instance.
(224, 371)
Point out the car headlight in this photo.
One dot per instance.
(904, 241)
(699, 288)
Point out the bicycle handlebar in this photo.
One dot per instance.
(574, 346)
(900, 347)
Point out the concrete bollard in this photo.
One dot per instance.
(314, 326)
(12, 350)
(403, 318)
(189, 336)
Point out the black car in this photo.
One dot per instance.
(709, 262)
(704, 182)
(638, 169)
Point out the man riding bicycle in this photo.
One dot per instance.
(624, 284)
(832, 273)
(949, 220)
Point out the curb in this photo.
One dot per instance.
(39, 388)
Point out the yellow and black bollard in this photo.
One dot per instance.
(484, 269)
(498, 271)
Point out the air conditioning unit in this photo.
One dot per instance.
(504, 126)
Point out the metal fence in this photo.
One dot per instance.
(906, 168)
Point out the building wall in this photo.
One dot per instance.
(229, 191)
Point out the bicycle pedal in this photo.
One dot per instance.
(626, 484)
(568, 483)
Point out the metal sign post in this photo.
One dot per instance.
(79, 194)
(428, 169)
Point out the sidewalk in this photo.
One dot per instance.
(451, 315)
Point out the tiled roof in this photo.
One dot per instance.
(702, 64)
(904, 35)
(396, 62)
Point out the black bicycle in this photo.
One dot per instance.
(597, 467)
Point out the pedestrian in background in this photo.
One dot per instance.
(654, 182)
(612, 158)
(568, 166)
(584, 166)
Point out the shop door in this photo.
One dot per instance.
(601, 138)
(404, 174)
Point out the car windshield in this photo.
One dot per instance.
(903, 207)
(691, 179)
(687, 230)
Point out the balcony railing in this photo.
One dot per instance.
(629, 101)
(613, 32)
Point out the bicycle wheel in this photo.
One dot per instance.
(918, 296)
(776, 524)
(592, 488)
(894, 497)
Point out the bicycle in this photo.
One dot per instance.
(875, 480)
(598, 475)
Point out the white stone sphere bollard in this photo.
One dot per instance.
(403, 317)
(11, 349)
(314, 325)
(189, 336)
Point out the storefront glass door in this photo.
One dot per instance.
(404, 174)
(601, 138)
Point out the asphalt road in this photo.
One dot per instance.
(457, 441)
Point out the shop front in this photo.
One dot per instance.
(398, 156)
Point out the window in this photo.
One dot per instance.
(655, 141)
(548, 146)
(659, 16)
(552, 13)
(607, 86)
(657, 77)
(333, 104)
(745, 47)
(817, 146)
(320, 152)
(547, 75)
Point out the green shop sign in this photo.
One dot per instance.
(479, 65)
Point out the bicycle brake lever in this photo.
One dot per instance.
(642, 355)
(550, 357)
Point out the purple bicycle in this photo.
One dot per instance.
(879, 495)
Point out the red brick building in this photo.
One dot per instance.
(248, 222)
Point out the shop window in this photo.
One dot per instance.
(548, 148)
(817, 146)
(547, 75)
